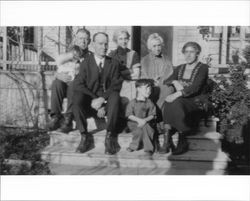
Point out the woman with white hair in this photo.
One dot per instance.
(129, 64)
(157, 66)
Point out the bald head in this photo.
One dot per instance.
(100, 44)
(100, 34)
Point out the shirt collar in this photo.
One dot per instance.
(84, 53)
(155, 57)
(142, 101)
(122, 51)
(98, 60)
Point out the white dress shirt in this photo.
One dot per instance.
(98, 61)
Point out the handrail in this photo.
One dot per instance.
(28, 62)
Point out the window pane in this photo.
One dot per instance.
(247, 32)
(234, 31)
(29, 37)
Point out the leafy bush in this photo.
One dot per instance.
(231, 100)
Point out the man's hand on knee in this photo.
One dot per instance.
(97, 103)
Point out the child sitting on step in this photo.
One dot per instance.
(141, 113)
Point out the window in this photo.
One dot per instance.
(234, 31)
(13, 34)
(29, 38)
(22, 44)
(247, 32)
(216, 31)
(22, 36)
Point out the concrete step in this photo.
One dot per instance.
(205, 139)
(194, 168)
(217, 160)
(204, 156)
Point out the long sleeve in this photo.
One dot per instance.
(124, 71)
(144, 66)
(135, 60)
(132, 62)
(79, 83)
(168, 70)
(130, 108)
(199, 81)
(116, 81)
(173, 76)
(152, 108)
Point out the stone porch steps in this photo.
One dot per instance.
(205, 139)
(204, 169)
(96, 157)
(204, 157)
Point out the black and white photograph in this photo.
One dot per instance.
(125, 100)
(132, 100)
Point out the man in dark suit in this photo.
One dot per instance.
(97, 88)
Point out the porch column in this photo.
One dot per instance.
(5, 50)
(224, 41)
(242, 37)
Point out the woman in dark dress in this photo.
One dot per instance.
(129, 64)
(181, 109)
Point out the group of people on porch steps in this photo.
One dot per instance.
(152, 95)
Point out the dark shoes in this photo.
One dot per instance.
(130, 150)
(182, 145)
(86, 143)
(111, 144)
(55, 122)
(148, 153)
(67, 125)
(167, 144)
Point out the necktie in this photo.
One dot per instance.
(100, 76)
(100, 66)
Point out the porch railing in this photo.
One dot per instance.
(27, 66)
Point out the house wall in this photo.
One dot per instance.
(211, 46)
(180, 35)
(110, 31)
(21, 98)
(183, 34)
(12, 100)
(52, 37)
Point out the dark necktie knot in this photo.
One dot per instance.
(100, 66)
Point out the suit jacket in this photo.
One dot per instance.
(87, 81)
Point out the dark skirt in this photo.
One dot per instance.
(183, 114)
(158, 95)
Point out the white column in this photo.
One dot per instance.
(224, 41)
(5, 41)
(21, 44)
(242, 37)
